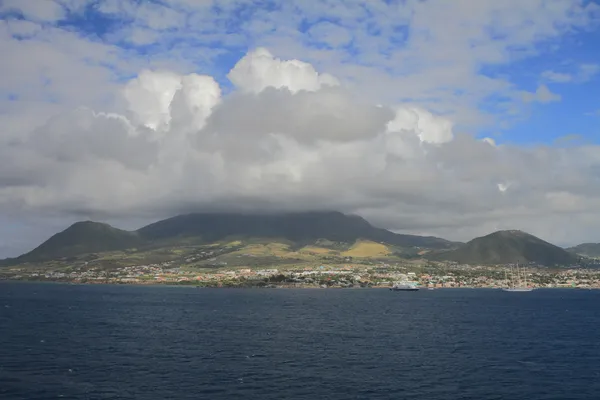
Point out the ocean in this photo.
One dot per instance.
(157, 342)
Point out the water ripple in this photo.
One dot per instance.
(119, 342)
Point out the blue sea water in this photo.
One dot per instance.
(128, 342)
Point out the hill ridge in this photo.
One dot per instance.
(80, 238)
(302, 227)
(586, 249)
(508, 246)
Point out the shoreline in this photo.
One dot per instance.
(187, 285)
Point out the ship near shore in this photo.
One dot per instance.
(405, 286)
(519, 284)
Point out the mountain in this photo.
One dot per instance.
(302, 228)
(81, 238)
(504, 247)
(586, 249)
(297, 227)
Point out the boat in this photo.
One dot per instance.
(518, 289)
(405, 286)
(518, 286)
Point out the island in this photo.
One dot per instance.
(296, 250)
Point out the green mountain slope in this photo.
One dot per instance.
(81, 238)
(298, 227)
(586, 249)
(505, 247)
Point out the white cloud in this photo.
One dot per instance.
(428, 128)
(490, 141)
(557, 76)
(22, 28)
(149, 97)
(36, 10)
(329, 114)
(330, 34)
(158, 17)
(588, 71)
(584, 73)
(259, 70)
(118, 7)
(541, 95)
(58, 67)
(180, 146)
(141, 36)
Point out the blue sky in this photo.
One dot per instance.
(577, 111)
(86, 80)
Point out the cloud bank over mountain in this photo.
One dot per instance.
(291, 139)
(371, 108)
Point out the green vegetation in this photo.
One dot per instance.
(210, 242)
(587, 250)
(315, 232)
(306, 228)
(83, 238)
(504, 247)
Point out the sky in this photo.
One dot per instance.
(452, 118)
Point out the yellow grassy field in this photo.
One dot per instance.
(270, 249)
(365, 248)
(315, 250)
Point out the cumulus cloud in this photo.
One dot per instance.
(429, 128)
(329, 114)
(155, 97)
(288, 140)
(259, 69)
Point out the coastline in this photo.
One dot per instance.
(292, 286)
